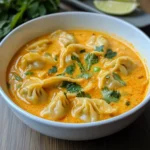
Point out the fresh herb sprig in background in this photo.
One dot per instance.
(16, 12)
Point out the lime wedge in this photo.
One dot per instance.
(117, 7)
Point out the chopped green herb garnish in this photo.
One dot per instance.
(8, 85)
(62, 74)
(99, 48)
(110, 54)
(18, 86)
(85, 75)
(107, 76)
(90, 60)
(128, 103)
(83, 94)
(110, 95)
(47, 54)
(70, 69)
(82, 51)
(16, 12)
(73, 57)
(71, 87)
(29, 73)
(17, 77)
(118, 78)
(52, 70)
(56, 58)
(96, 69)
(65, 95)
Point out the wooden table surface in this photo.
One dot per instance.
(14, 135)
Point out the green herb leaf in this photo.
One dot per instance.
(90, 60)
(85, 75)
(97, 69)
(15, 12)
(71, 87)
(17, 77)
(107, 76)
(75, 58)
(118, 78)
(52, 70)
(19, 15)
(29, 73)
(47, 54)
(99, 48)
(83, 94)
(62, 74)
(110, 95)
(56, 58)
(70, 69)
(82, 51)
(128, 103)
(110, 54)
(18, 86)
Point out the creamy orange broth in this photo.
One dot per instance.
(131, 94)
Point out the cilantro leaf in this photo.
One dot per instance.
(17, 77)
(71, 87)
(73, 57)
(70, 69)
(52, 70)
(110, 95)
(110, 54)
(99, 48)
(83, 94)
(90, 60)
(118, 78)
(29, 73)
(85, 75)
(82, 51)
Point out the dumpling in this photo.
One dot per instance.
(90, 110)
(34, 61)
(55, 81)
(88, 87)
(123, 64)
(106, 78)
(57, 108)
(32, 91)
(94, 42)
(63, 37)
(70, 49)
(40, 45)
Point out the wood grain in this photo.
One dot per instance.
(14, 135)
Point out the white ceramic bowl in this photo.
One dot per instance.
(72, 20)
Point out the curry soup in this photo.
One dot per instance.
(77, 76)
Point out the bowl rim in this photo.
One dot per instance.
(74, 125)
